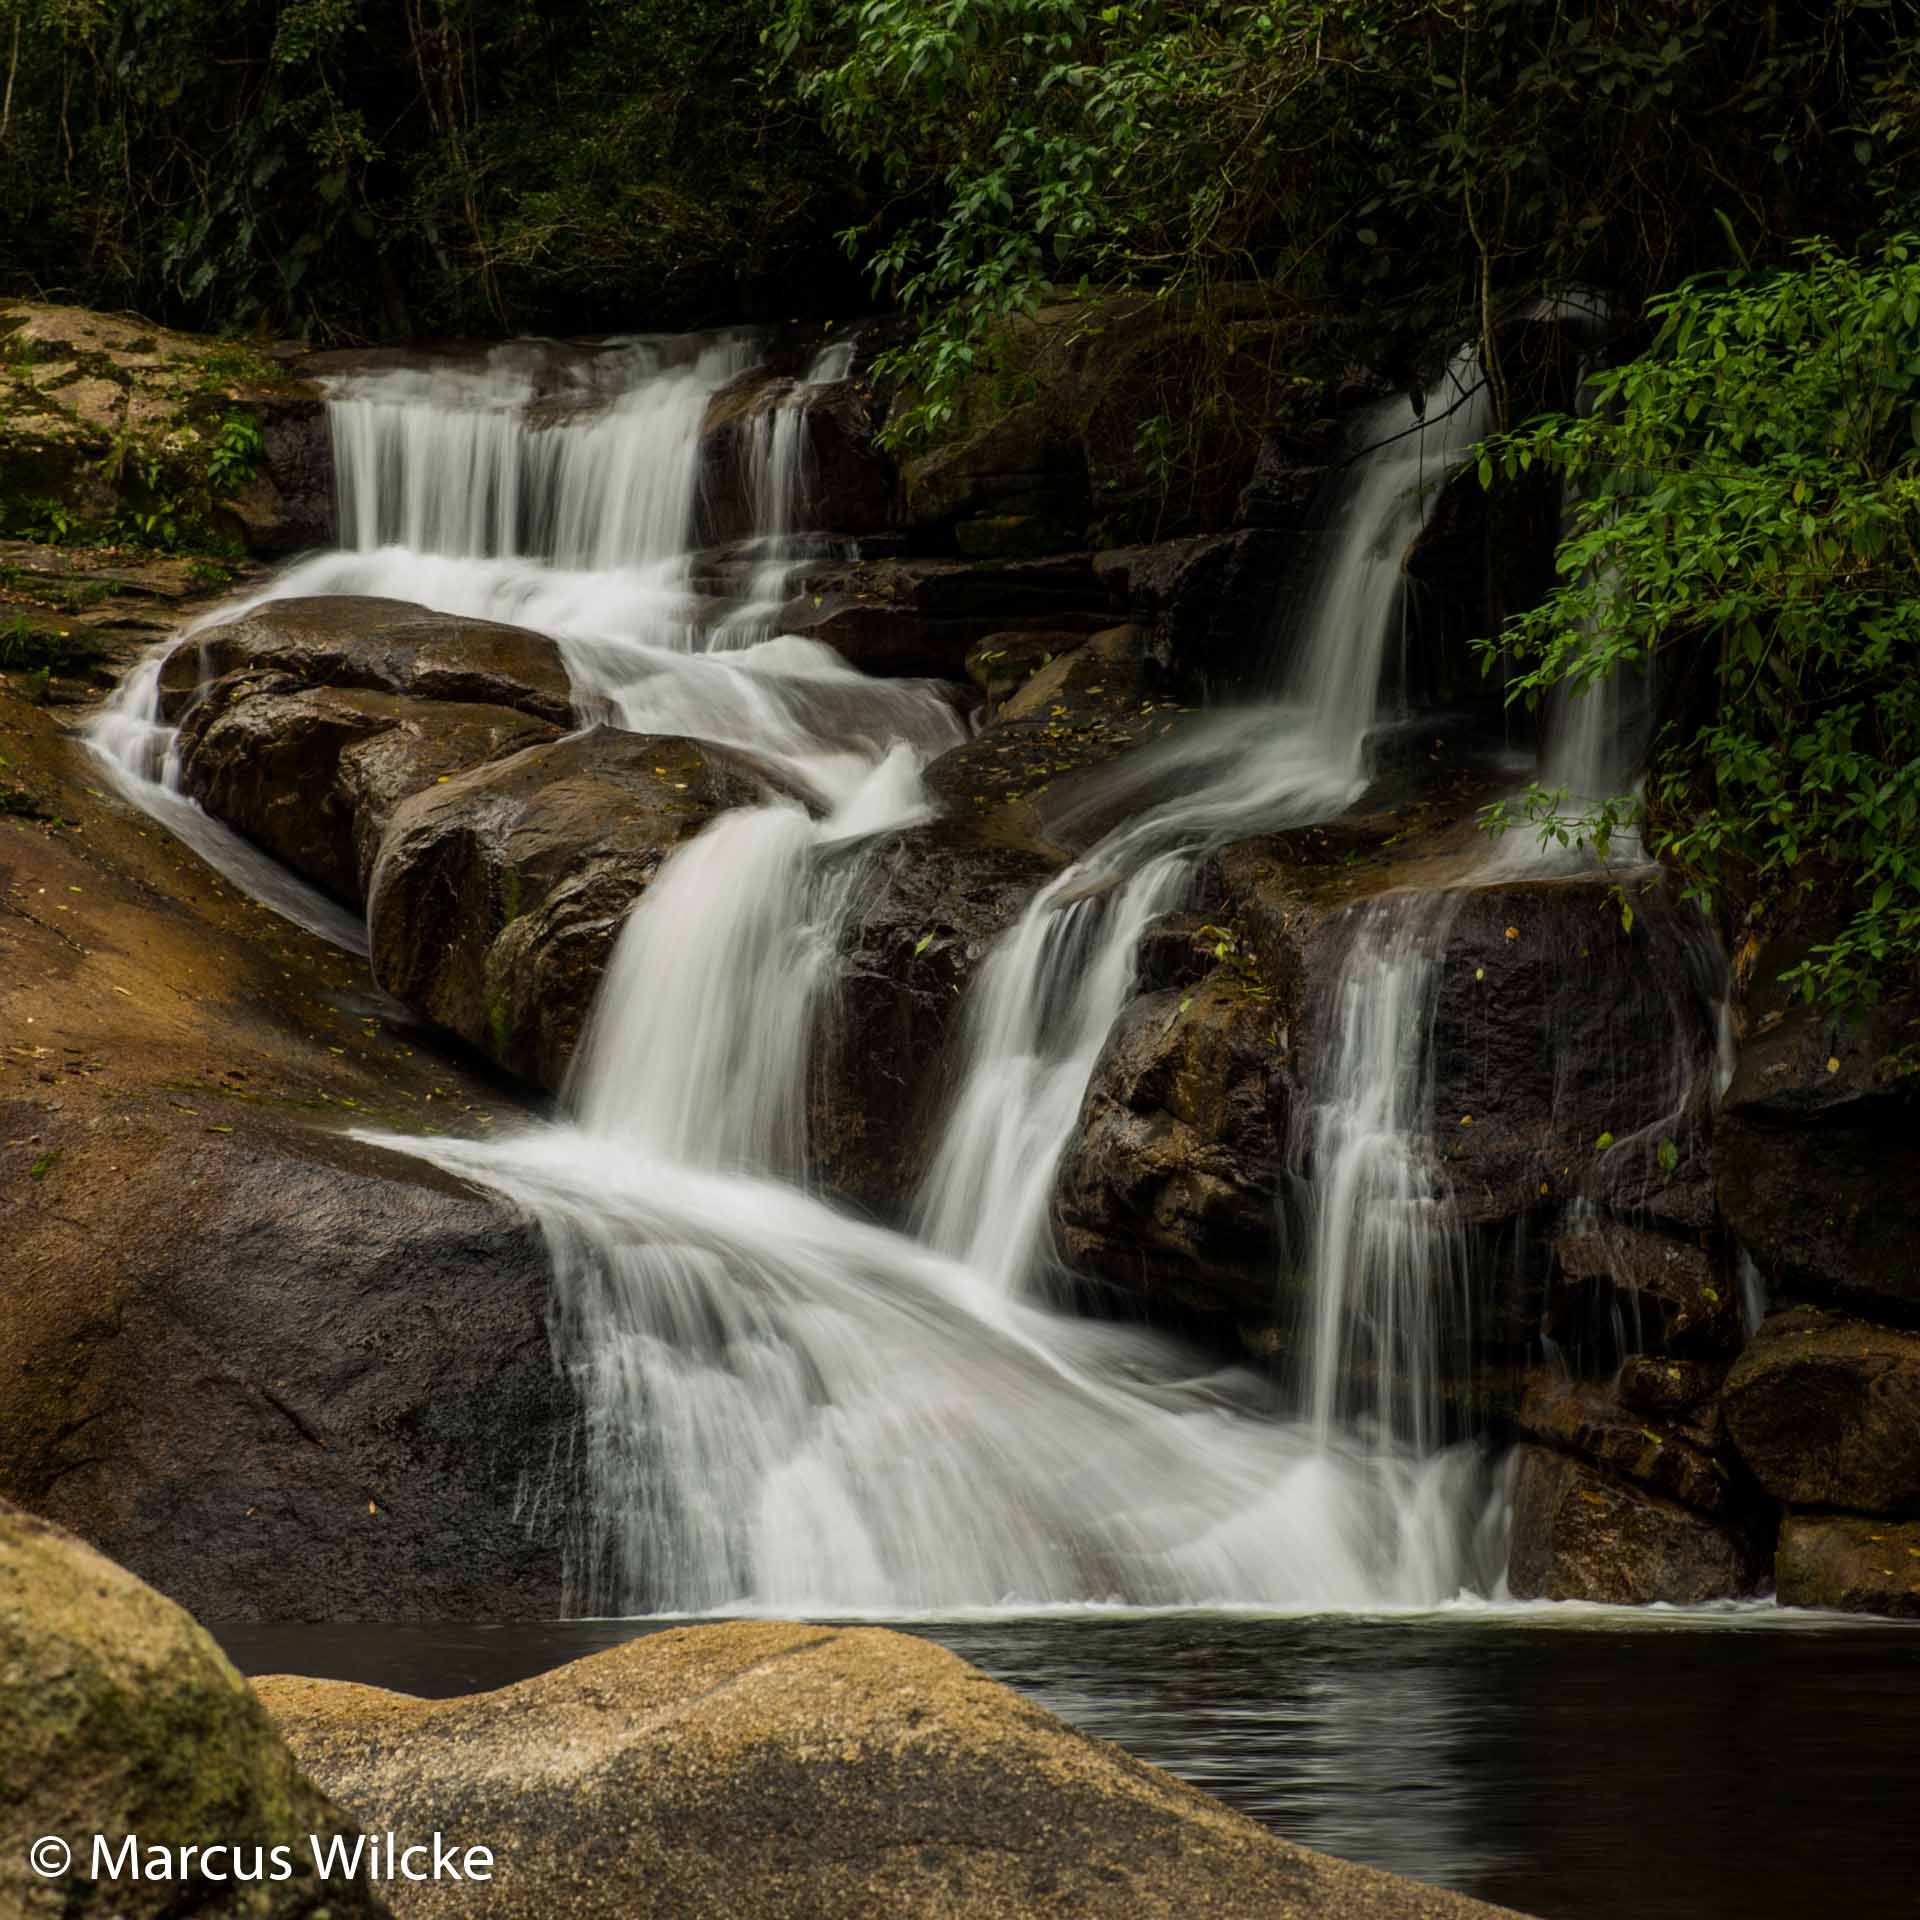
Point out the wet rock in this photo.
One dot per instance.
(922, 618)
(121, 1717)
(1580, 1534)
(302, 1380)
(1003, 663)
(313, 775)
(1817, 1159)
(1029, 774)
(1588, 1420)
(498, 894)
(389, 646)
(1567, 1050)
(1825, 1412)
(1668, 1389)
(847, 484)
(1208, 605)
(1168, 1189)
(1670, 1296)
(928, 906)
(1849, 1563)
(760, 1769)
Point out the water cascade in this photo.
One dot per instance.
(789, 1408)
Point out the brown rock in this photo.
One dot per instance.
(1668, 1389)
(312, 775)
(1587, 1420)
(1849, 1563)
(498, 895)
(389, 646)
(1825, 1411)
(1168, 1188)
(762, 1769)
(1580, 1534)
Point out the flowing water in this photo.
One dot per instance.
(788, 1408)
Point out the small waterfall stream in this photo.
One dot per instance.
(789, 1408)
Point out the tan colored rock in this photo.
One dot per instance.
(766, 1771)
(120, 1716)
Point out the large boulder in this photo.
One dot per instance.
(1169, 1186)
(1817, 1157)
(1825, 1412)
(1567, 1049)
(313, 774)
(386, 646)
(1581, 1534)
(300, 1379)
(762, 1769)
(122, 1718)
(1849, 1563)
(498, 894)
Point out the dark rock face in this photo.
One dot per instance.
(498, 894)
(1580, 1534)
(1667, 1389)
(1566, 1049)
(289, 506)
(121, 1717)
(313, 774)
(1825, 1412)
(387, 646)
(1849, 1563)
(1208, 605)
(1674, 1298)
(929, 904)
(1168, 1189)
(848, 486)
(326, 1393)
(1817, 1163)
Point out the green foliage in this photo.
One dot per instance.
(1420, 162)
(235, 452)
(343, 167)
(1747, 527)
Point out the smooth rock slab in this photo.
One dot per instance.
(1825, 1411)
(120, 1716)
(1849, 1563)
(392, 646)
(1580, 1534)
(766, 1771)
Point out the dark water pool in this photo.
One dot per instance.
(1577, 1765)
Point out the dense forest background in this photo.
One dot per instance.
(1294, 188)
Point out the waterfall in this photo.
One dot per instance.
(785, 1407)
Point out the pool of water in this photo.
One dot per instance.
(1579, 1764)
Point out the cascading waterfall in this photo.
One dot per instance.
(786, 1407)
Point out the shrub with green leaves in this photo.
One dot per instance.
(1747, 528)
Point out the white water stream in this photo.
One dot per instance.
(789, 1408)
